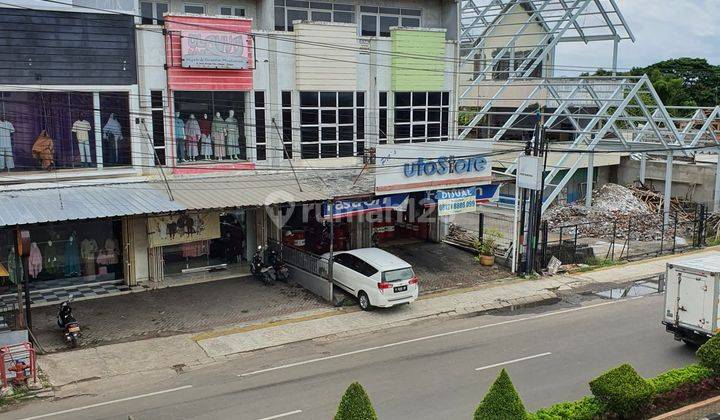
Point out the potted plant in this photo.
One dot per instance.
(486, 248)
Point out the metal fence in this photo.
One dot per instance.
(312, 263)
(625, 239)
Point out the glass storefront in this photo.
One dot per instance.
(224, 252)
(209, 126)
(46, 130)
(64, 254)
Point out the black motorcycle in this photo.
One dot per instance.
(264, 273)
(275, 261)
(68, 323)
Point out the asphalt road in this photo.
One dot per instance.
(434, 369)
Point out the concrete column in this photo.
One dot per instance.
(643, 166)
(590, 176)
(98, 130)
(716, 196)
(668, 187)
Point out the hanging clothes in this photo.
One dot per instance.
(112, 133)
(43, 150)
(218, 136)
(111, 251)
(88, 249)
(206, 148)
(52, 257)
(82, 128)
(72, 258)
(192, 133)
(13, 262)
(35, 261)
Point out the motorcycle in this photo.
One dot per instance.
(264, 273)
(275, 261)
(68, 323)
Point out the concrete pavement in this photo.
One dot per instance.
(435, 369)
(164, 354)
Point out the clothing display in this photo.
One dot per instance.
(192, 134)
(13, 263)
(88, 249)
(111, 250)
(44, 150)
(233, 136)
(35, 261)
(179, 137)
(52, 257)
(6, 152)
(194, 249)
(218, 136)
(112, 133)
(206, 149)
(81, 129)
(103, 259)
(72, 258)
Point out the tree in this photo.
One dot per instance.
(355, 405)
(502, 401)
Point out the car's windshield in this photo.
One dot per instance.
(398, 275)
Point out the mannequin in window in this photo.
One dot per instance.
(218, 136)
(233, 136)
(52, 255)
(6, 153)
(81, 131)
(13, 265)
(43, 150)
(35, 261)
(180, 138)
(88, 249)
(72, 257)
(206, 149)
(192, 134)
(112, 134)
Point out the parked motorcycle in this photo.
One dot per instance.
(264, 273)
(275, 261)
(68, 323)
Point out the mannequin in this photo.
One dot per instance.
(44, 150)
(6, 153)
(35, 265)
(112, 133)
(218, 136)
(88, 249)
(180, 137)
(233, 136)
(81, 129)
(192, 134)
(13, 264)
(72, 257)
(206, 149)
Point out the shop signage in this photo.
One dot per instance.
(530, 172)
(345, 208)
(483, 195)
(183, 228)
(458, 201)
(431, 166)
(215, 50)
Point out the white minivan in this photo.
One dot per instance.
(375, 277)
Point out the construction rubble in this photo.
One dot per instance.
(629, 212)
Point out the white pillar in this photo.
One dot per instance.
(643, 165)
(668, 187)
(98, 130)
(589, 181)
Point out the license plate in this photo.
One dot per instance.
(399, 289)
(74, 329)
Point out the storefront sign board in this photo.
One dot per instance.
(530, 172)
(345, 208)
(183, 228)
(483, 195)
(215, 50)
(456, 201)
(431, 166)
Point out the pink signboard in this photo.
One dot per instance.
(215, 50)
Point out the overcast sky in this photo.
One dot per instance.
(663, 29)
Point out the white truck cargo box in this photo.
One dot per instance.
(691, 298)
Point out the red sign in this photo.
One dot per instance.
(215, 50)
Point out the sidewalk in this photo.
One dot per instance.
(188, 351)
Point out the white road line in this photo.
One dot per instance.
(277, 416)
(430, 337)
(522, 359)
(87, 407)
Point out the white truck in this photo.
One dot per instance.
(691, 299)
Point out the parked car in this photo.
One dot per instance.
(375, 277)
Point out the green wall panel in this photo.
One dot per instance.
(410, 72)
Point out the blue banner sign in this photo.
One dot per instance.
(457, 201)
(483, 194)
(345, 208)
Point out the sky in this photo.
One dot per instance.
(663, 29)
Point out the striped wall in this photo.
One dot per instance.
(320, 67)
(418, 61)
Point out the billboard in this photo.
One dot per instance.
(183, 228)
(215, 50)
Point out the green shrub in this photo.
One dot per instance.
(587, 408)
(502, 402)
(355, 405)
(667, 381)
(622, 390)
(709, 354)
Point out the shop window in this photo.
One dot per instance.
(377, 21)
(288, 11)
(287, 131)
(152, 12)
(332, 124)
(512, 61)
(57, 130)
(209, 126)
(66, 254)
(158, 126)
(232, 11)
(260, 126)
(194, 8)
(421, 116)
(383, 123)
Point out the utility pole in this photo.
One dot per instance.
(535, 204)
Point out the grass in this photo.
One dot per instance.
(595, 263)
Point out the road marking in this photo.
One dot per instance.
(522, 359)
(277, 416)
(87, 407)
(430, 337)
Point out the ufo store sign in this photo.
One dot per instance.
(431, 166)
(215, 50)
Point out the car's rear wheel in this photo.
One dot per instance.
(363, 301)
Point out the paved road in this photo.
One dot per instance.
(436, 369)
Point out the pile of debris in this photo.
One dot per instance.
(684, 209)
(614, 208)
(461, 236)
